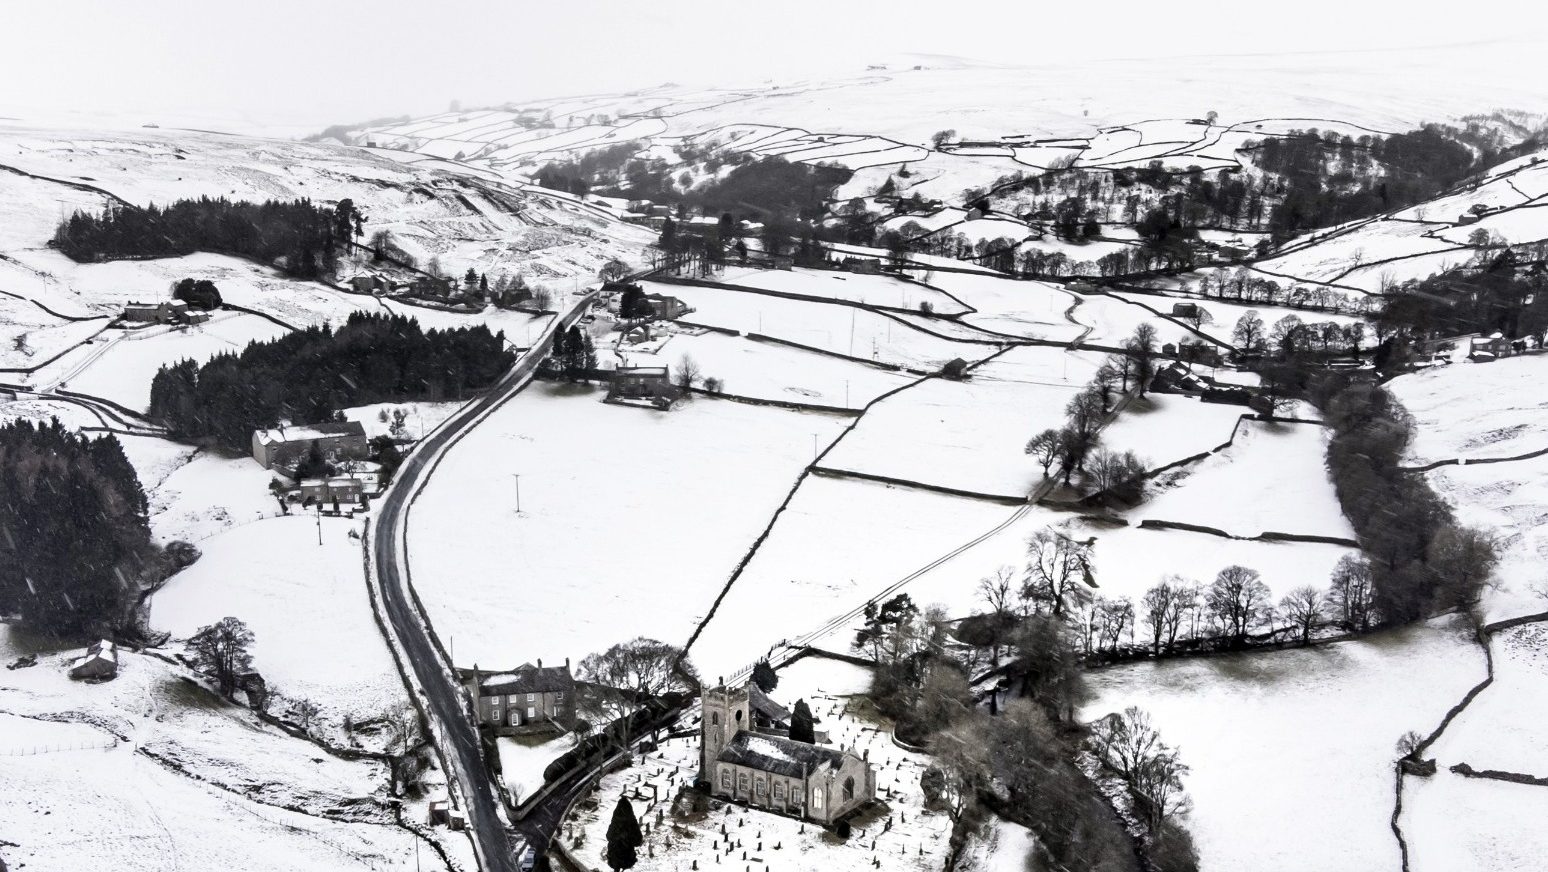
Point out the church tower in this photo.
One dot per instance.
(725, 712)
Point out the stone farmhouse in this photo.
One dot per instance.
(527, 699)
(163, 312)
(285, 446)
(748, 756)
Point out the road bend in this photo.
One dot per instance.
(427, 671)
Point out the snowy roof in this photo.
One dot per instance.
(528, 679)
(103, 651)
(779, 755)
(307, 432)
(767, 707)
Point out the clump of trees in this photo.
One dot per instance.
(1074, 447)
(623, 682)
(1421, 561)
(75, 545)
(298, 236)
(200, 294)
(1326, 179)
(310, 375)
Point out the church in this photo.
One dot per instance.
(748, 756)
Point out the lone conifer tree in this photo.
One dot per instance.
(623, 836)
(802, 727)
(765, 677)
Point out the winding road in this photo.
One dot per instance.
(426, 669)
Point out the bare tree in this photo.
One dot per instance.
(1351, 593)
(613, 270)
(222, 650)
(687, 375)
(1304, 608)
(1143, 349)
(1248, 334)
(622, 678)
(1238, 598)
(1058, 570)
(1163, 606)
(1128, 744)
(1044, 448)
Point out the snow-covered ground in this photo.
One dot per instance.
(1479, 411)
(524, 758)
(1272, 478)
(638, 514)
(839, 543)
(1474, 410)
(124, 372)
(899, 828)
(1452, 822)
(1291, 752)
(846, 330)
(151, 771)
(874, 290)
(969, 435)
(769, 371)
(306, 603)
(1165, 428)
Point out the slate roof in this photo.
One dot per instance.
(528, 679)
(308, 432)
(767, 707)
(779, 755)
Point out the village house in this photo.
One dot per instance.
(284, 446)
(99, 663)
(746, 755)
(338, 489)
(642, 383)
(668, 308)
(861, 265)
(527, 699)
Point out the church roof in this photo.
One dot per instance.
(764, 706)
(779, 755)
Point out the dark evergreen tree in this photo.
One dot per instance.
(623, 836)
(75, 544)
(802, 724)
(764, 676)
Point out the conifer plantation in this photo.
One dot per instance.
(75, 545)
(308, 376)
(299, 237)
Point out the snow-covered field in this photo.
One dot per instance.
(1452, 822)
(124, 372)
(523, 760)
(839, 543)
(969, 435)
(1271, 479)
(874, 290)
(1474, 411)
(840, 329)
(1292, 752)
(769, 371)
(306, 604)
(155, 772)
(1165, 428)
(639, 514)
(1479, 411)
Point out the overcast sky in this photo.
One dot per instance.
(283, 63)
